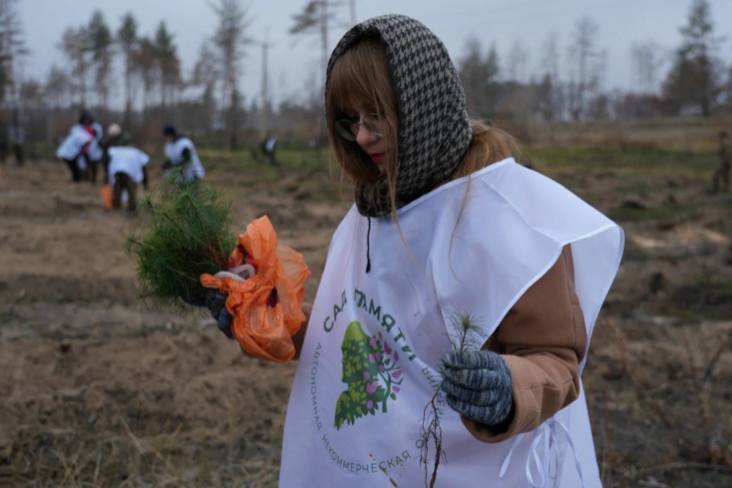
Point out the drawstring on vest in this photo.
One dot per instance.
(368, 253)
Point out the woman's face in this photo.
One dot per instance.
(371, 132)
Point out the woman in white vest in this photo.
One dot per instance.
(180, 153)
(125, 168)
(447, 231)
(74, 150)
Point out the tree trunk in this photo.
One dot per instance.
(128, 100)
(233, 125)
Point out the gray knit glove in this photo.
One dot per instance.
(478, 386)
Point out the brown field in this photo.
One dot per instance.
(98, 389)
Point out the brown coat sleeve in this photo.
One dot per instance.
(542, 339)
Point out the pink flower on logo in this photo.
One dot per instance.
(370, 388)
(396, 374)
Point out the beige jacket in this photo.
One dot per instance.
(542, 338)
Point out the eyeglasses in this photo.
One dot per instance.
(347, 127)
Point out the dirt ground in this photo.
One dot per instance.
(99, 389)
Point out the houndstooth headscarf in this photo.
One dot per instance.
(434, 128)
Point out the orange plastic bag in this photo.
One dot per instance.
(266, 308)
(106, 192)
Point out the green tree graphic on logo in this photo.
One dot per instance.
(371, 371)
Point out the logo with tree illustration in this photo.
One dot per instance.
(371, 371)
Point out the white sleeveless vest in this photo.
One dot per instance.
(71, 146)
(174, 152)
(128, 160)
(369, 362)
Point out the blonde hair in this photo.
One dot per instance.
(488, 145)
(360, 79)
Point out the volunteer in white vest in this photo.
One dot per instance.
(447, 230)
(126, 168)
(181, 153)
(75, 147)
(269, 147)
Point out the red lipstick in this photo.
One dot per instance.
(377, 157)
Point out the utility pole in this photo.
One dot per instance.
(324, 36)
(265, 101)
(352, 5)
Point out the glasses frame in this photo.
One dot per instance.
(347, 127)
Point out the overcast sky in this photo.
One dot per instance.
(294, 64)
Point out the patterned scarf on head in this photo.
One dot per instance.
(434, 128)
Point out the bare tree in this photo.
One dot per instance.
(4, 77)
(12, 50)
(587, 64)
(167, 62)
(549, 91)
(206, 75)
(728, 88)
(549, 61)
(517, 61)
(127, 40)
(230, 40)
(315, 18)
(57, 87)
(100, 45)
(144, 60)
(56, 92)
(31, 91)
(544, 98)
(74, 44)
(647, 58)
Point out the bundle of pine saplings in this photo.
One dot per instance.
(184, 232)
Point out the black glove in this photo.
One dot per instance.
(215, 301)
(478, 386)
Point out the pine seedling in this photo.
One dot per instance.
(461, 340)
(185, 233)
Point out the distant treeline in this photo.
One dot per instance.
(144, 74)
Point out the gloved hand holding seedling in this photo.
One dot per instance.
(476, 384)
(253, 287)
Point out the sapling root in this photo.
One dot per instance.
(432, 452)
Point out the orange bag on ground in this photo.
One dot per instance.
(106, 192)
(266, 309)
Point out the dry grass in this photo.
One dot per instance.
(100, 391)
